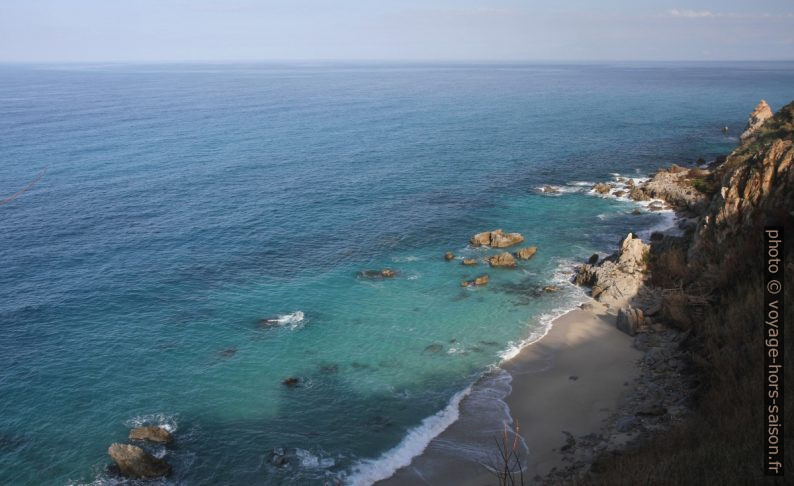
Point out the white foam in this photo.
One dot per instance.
(292, 321)
(310, 461)
(404, 259)
(164, 420)
(369, 471)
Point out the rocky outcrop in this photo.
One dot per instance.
(526, 253)
(469, 261)
(481, 280)
(674, 186)
(151, 433)
(758, 117)
(503, 259)
(618, 277)
(134, 462)
(496, 239)
(602, 188)
(630, 320)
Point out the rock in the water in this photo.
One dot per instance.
(503, 259)
(550, 190)
(637, 194)
(527, 253)
(620, 193)
(602, 188)
(593, 259)
(151, 433)
(278, 457)
(757, 118)
(291, 381)
(481, 280)
(377, 274)
(449, 256)
(469, 261)
(434, 348)
(134, 462)
(630, 320)
(496, 239)
(550, 288)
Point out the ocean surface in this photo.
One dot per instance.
(183, 204)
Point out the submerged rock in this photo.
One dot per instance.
(151, 433)
(377, 274)
(134, 462)
(526, 253)
(291, 382)
(504, 259)
(449, 256)
(433, 348)
(496, 239)
(227, 353)
(481, 280)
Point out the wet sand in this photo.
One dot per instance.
(569, 380)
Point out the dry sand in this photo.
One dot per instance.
(545, 399)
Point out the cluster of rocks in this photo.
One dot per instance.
(377, 274)
(495, 239)
(134, 461)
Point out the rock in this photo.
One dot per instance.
(638, 194)
(550, 288)
(625, 424)
(593, 259)
(573, 377)
(653, 410)
(449, 256)
(617, 278)
(637, 211)
(433, 348)
(151, 433)
(656, 206)
(526, 253)
(602, 188)
(481, 280)
(377, 274)
(134, 462)
(278, 457)
(503, 259)
(496, 239)
(469, 261)
(227, 353)
(760, 114)
(291, 382)
(550, 190)
(630, 320)
(620, 193)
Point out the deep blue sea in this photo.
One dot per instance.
(182, 204)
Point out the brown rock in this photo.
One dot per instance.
(291, 381)
(496, 239)
(481, 280)
(526, 253)
(387, 273)
(134, 462)
(151, 433)
(602, 188)
(503, 259)
(630, 320)
(449, 256)
(638, 194)
(550, 190)
(469, 261)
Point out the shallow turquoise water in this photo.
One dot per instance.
(182, 204)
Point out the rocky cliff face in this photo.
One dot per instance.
(757, 118)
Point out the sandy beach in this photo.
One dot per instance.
(570, 380)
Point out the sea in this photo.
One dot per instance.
(176, 240)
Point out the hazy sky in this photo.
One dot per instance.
(162, 30)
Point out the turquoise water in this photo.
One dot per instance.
(182, 204)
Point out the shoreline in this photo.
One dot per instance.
(584, 344)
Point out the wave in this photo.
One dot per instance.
(414, 443)
(164, 420)
(292, 321)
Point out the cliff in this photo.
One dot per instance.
(708, 285)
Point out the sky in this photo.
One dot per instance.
(420, 30)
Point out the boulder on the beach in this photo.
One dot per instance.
(151, 433)
(134, 462)
(602, 188)
(496, 239)
(449, 256)
(630, 320)
(526, 253)
(469, 261)
(503, 259)
(481, 280)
